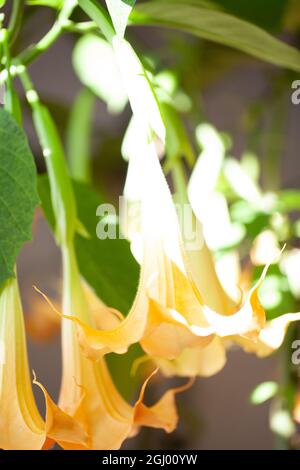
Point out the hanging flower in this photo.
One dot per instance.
(88, 393)
(170, 313)
(21, 426)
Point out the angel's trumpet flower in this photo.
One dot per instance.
(21, 426)
(88, 393)
(169, 313)
(173, 317)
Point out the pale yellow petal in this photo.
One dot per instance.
(271, 337)
(202, 362)
(163, 414)
(60, 427)
(168, 333)
(247, 321)
(21, 426)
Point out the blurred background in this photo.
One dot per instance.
(248, 103)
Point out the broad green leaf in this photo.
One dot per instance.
(107, 265)
(18, 194)
(264, 392)
(95, 64)
(256, 11)
(2, 3)
(46, 3)
(219, 27)
(119, 11)
(120, 366)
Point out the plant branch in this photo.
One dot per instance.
(15, 20)
(82, 27)
(27, 56)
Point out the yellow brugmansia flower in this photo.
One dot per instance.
(170, 315)
(181, 312)
(183, 326)
(88, 393)
(21, 426)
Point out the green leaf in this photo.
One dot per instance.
(218, 27)
(120, 366)
(264, 392)
(18, 195)
(95, 64)
(256, 11)
(119, 11)
(57, 4)
(107, 265)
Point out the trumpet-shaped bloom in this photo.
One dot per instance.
(88, 393)
(21, 426)
(171, 313)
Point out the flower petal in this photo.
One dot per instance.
(202, 362)
(271, 337)
(168, 333)
(21, 426)
(60, 427)
(163, 414)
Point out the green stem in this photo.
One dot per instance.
(82, 27)
(12, 103)
(15, 20)
(179, 180)
(100, 16)
(62, 195)
(27, 56)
